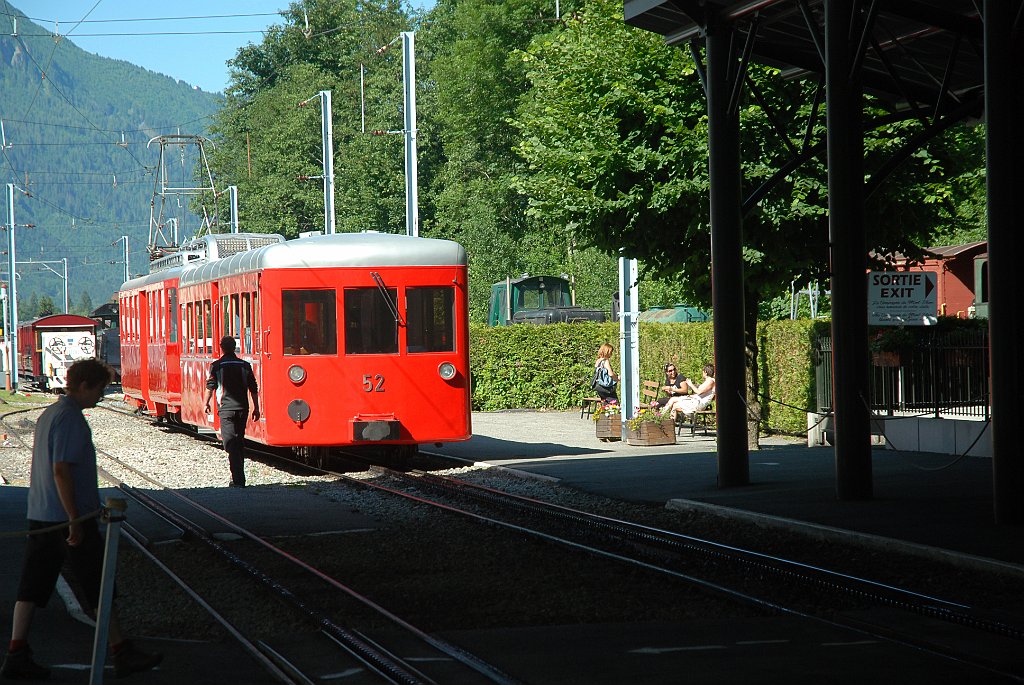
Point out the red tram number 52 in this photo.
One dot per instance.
(368, 383)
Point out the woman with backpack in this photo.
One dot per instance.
(605, 378)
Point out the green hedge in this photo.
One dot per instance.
(550, 367)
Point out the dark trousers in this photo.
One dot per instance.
(45, 554)
(232, 431)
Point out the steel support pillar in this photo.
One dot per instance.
(1004, 102)
(848, 254)
(725, 176)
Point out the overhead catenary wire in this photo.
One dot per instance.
(42, 71)
(122, 177)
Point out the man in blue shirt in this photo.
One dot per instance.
(63, 495)
(233, 380)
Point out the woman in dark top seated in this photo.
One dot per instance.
(674, 385)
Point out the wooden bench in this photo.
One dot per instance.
(649, 391)
(588, 405)
(703, 419)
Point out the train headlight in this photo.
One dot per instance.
(296, 374)
(446, 371)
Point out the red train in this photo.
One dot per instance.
(49, 345)
(355, 338)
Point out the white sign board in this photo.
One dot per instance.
(898, 298)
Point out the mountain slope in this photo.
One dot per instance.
(76, 127)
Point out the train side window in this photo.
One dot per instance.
(256, 323)
(310, 322)
(235, 318)
(370, 325)
(225, 312)
(200, 327)
(162, 315)
(246, 317)
(172, 314)
(431, 316)
(207, 341)
(188, 328)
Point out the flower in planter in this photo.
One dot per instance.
(606, 409)
(648, 414)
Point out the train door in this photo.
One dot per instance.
(240, 322)
(156, 350)
(173, 351)
(214, 332)
(143, 314)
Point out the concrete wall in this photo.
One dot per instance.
(915, 434)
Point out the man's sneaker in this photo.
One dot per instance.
(19, 665)
(128, 660)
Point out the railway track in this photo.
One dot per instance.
(947, 629)
(955, 632)
(368, 654)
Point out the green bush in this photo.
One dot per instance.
(550, 367)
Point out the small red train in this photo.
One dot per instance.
(355, 338)
(48, 345)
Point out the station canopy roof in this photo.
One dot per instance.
(919, 54)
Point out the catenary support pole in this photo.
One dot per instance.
(327, 124)
(233, 207)
(12, 270)
(629, 339)
(412, 210)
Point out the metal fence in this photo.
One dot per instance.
(943, 374)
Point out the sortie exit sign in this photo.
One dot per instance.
(898, 298)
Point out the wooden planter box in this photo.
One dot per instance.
(652, 434)
(609, 427)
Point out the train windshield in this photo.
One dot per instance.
(370, 324)
(310, 321)
(431, 314)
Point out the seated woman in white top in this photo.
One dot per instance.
(701, 397)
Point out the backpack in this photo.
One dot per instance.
(602, 378)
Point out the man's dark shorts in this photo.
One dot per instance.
(44, 557)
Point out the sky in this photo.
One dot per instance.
(194, 49)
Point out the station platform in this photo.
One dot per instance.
(935, 505)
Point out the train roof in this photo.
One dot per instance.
(337, 250)
(59, 321)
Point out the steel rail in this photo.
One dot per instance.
(404, 673)
(860, 627)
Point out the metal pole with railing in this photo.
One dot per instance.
(113, 516)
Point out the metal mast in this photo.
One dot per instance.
(412, 211)
(327, 150)
(163, 188)
(12, 266)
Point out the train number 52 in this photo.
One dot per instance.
(373, 383)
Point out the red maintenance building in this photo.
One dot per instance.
(955, 268)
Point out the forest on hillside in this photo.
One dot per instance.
(75, 146)
(552, 144)
(546, 145)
